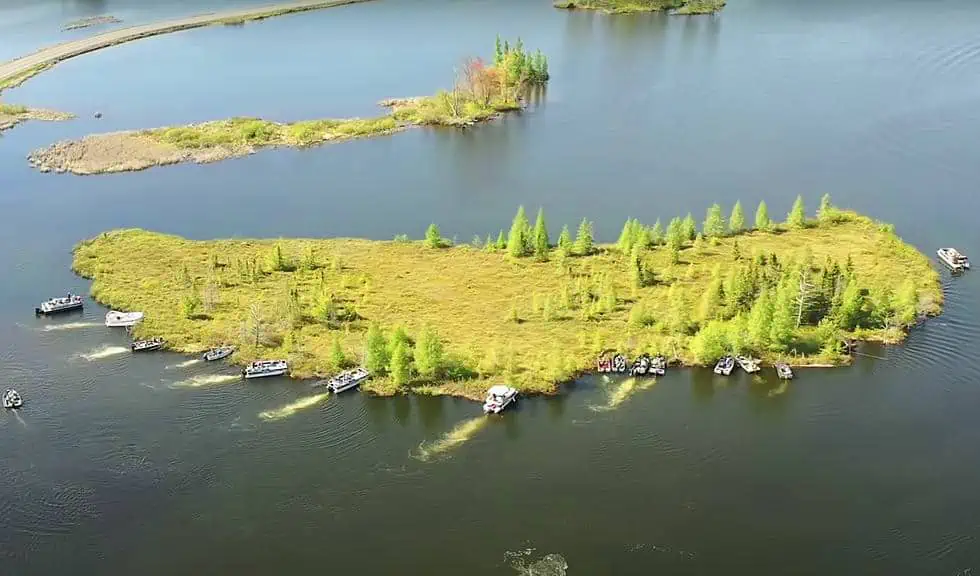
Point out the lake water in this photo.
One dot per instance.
(154, 465)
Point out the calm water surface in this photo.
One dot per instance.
(147, 464)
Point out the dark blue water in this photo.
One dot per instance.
(121, 464)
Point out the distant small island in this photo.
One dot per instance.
(13, 114)
(89, 22)
(480, 93)
(629, 6)
(433, 317)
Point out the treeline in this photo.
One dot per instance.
(520, 66)
(405, 359)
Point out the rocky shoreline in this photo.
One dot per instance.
(11, 116)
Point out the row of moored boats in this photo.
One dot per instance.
(727, 364)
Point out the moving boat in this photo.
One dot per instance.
(146, 345)
(952, 258)
(56, 305)
(748, 364)
(347, 380)
(11, 399)
(218, 353)
(784, 371)
(725, 366)
(264, 368)
(115, 319)
(498, 398)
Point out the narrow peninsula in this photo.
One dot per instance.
(678, 7)
(431, 317)
(480, 93)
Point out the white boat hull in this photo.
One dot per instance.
(337, 389)
(123, 319)
(251, 375)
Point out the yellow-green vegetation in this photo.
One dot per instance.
(434, 318)
(12, 109)
(258, 133)
(629, 6)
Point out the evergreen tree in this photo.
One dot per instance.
(565, 241)
(737, 221)
(428, 353)
(656, 233)
(762, 221)
(625, 242)
(674, 253)
(637, 273)
(675, 233)
(401, 364)
(276, 260)
(501, 241)
(489, 245)
(541, 241)
(517, 241)
(711, 342)
(738, 334)
(714, 222)
(433, 239)
(699, 244)
(689, 230)
(797, 215)
(738, 290)
(376, 355)
(583, 241)
(338, 360)
(760, 321)
(851, 310)
(783, 315)
(498, 52)
(825, 212)
(396, 337)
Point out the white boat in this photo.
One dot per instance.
(264, 368)
(725, 366)
(218, 353)
(658, 366)
(11, 399)
(56, 305)
(146, 345)
(115, 319)
(347, 380)
(498, 398)
(952, 258)
(784, 371)
(748, 364)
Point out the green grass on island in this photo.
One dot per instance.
(630, 6)
(432, 317)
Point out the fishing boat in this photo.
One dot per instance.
(498, 398)
(641, 366)
(347, 380)
(146, 345)
(784, 371)
(11, 399)
(218, 353)
(951, 257)
(748, 364)
(115, 319)
(265, 368)
(658, 366)
(56, 305)
(725, 366)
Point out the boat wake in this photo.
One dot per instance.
(104, 352)
(459, 435)
(207, 380)
(547, 565)
(69, 326)
(779, 390)
(184, 364)
(623, 392)
(293, 407)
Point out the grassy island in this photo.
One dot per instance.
(480, 93)
(432, 317)
(13, 114)
(631, 6)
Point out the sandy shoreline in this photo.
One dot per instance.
(8, 120)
